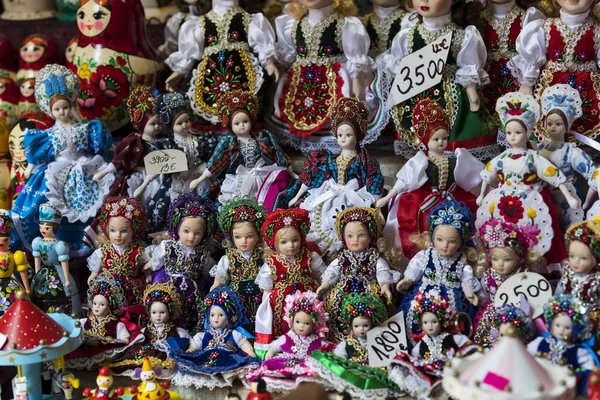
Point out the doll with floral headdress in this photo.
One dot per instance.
(184, 260)
(216, 356)
(286, 361)
(123, 222)
(520, 198)
(358, 268)
(567, 341)
(8, 262)
(428, 179)
(443, 267)
(518, 317)
(241, 220)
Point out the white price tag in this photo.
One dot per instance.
(421, 69)
(165, 162)
(533, 287)
(386, 341)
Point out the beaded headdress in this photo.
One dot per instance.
(241, 209)
(351, 111)
(499, 233)
(369, 217)
(236, 100)
(575, 310)
(192, 205)
(564, 98)
(106, 286)
(588, 233)
(163, 293)
(296, 218)
(49, 213)
(128, 208)
(452, 213)
(309, 303)
(363, 305)
(6, 223)
(141, 106)
(433, 302)
(54, 80)
(428, 117)
(518, 106)
(169, 105)
(231, 304)
(511, 314)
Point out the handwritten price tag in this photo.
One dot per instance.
(421, 70)
(533, 287)
(165, 162)
(386, 341)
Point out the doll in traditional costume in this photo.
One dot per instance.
(188, 12)
(9, 97)
(123, 221)
(215, 357)
(241, 220)
(518, 317)
(567, 341)
(520, 198)
(286, 361)
(444, 266)
(184, 260)
(70, 53)
(428, 179)
(384, 22)
(10, 261)
(358, 268)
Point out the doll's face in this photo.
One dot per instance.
(47, 229)
(153, 128)
(502, 329)
(3, 86)
(446, 240)
(61, 110)
(288, 242)
(346, 137)
(244, 236)
(69, 52)
(100, 306)
(356, 236)
(574, 7)
(360, 326)
(15, 144)
(302, 323)
(432, 8)
(159, 313)
(217, 317)
(581, 259)
(147, 376)
(27, 87)
(92, 18)
(555, 126)
(241, 123)
(191, 231)
(438, 141)
(430, 324)
(104, 382)
(516, 135)
(504, 260)
(181, 126)
(4, 243)
(119, 231)
(562, 327)
(31, 52)
(315, 3)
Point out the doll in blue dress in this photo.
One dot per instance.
(62, 162)
(215, 357)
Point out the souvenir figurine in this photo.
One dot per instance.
(123, 221)
(570, 329)
(8, 59)
(428, 179)
(66, 383)
(286, 362)
(10, 261)
(109, 66)
(63, 159)
(384, 22)
(444, 266)
(359, 266)
(9, 98)
(27, 10)
(53, 289)
(104, 390)
(241, 220)
(188, 12)
(520, 198)
(215, 357)
(150, 388)
(457, 92)
(19, 387)
(184, 260)
(27, 102)
(290, 266)
(258, 391)
(70, 52)
(223, 42)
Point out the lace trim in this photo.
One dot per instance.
(436, 351)
(222, 23)
(312, 38)
(502, 27)
(249, 268)
(248, 151)
(571, 39)
(382, 26)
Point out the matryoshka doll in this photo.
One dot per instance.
(8, 59)
(69, 52)
(112, 57)
(5, 193)
(9, 92)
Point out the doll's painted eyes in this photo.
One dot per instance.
(81, 15)
(99, 15)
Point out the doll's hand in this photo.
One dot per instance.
(266, 294)
(99, 175)
(67, 281)
(473, 97)
(479, 200)
(404, 284)
(149, 278)
(191, 349)
(269, 355)
(174, 81)
(472, 297)
(272, 69)
(574, 202)
(387, 293)
(526, 89)
(323, 288)
(382, 201)
(197, 182)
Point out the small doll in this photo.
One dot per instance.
(242, 160)
(19, 387)
(444, 266)
(504, 317)
(358, 268)
(53, 289)
(420, 371)
(216, 356)
(290, 266)
(27, 102)
(104, 390)
(519, 197)
(150, 388)
(241, 220)
(8, 261)
(567, 343)
(189, 12)
(258, 391)
(384, 22)
(286, 362)
(65, 383)
(123, 221)
(70, 53)
(428, 179)
(184, 260)
(9, 98)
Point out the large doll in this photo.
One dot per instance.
(428, 179)
(62, 161)
(10, 261)
(384, 22)
(173, 26)
(184, 260)
(359, 267)
(519, 197)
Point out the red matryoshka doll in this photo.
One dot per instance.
(113, 56)
(5, 195)
(36, 52)
(9, 97)
(69, 52)
(8, 59)
(27, 102)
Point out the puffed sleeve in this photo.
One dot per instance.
(316, 169)
(531, 53)
(94, 262)
(547, 171)
(340, 350)
(471, 59)
(156, 255)
(264, 280)
(317, 265)
(413, 174)
(35, 247)
(585, 359)
(460, 340)
(277, 343)
(38, 146)
(467, 170)
(356, 42)
(582, 163)
(196, 341)
(261, 37)
(532, 14)
(384, 274)
(390, 59)
(275, 154)
(416, 351)
(489, 173)
(220, 270)
(284, 47)
(409, 20)
(533, 346)
(239, 339)
(332, 273)
(467, 281)
(416, 266)
(100, 140)
(122, 333)
(183, 333)
(172, 31)
(191, 47)
(62, 249)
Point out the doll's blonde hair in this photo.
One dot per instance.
(532, 260)
(347, 8)
(551, 9)
(273, 9)
(268, 251)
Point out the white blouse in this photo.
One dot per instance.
(340, 349)
(264, 280)
(221, 270)
(384, 274)
(416, 268)
(173, 26)
(584, 357)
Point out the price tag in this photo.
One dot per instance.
(165, 162)
(421, 70)
(533, 287)
(386, 341)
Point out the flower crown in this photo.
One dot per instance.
(433, 302)
(163, 293)
(309, 303)
(230, 302)
(588, 233)
(49, 213)
(363, 305)
(169, 105)
(241, 209)
(564, 98)
(511, 314)
(369, 217)
(141, 106)
(6, 223)
(518, 106)
(192, 205)
(296, 218)
(236, 100)
(54, 80)
(105, 285)
(349, 109)
(575, 310)
(452, 213)
(128, 208)
(428, 117)
(496, 233)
